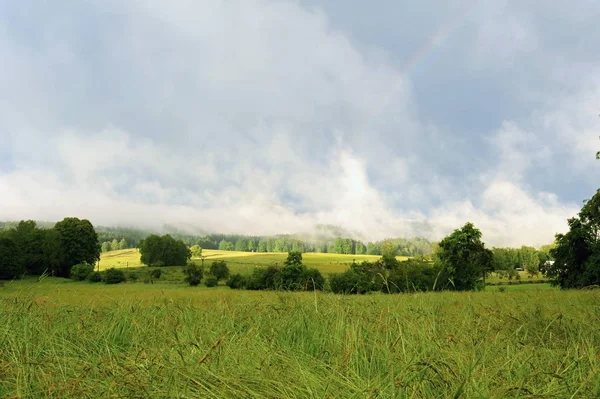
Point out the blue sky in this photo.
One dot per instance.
(268, 117)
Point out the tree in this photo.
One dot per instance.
(79, 244)
(114, 245)
(193, 274)
(114, 276)
(29, 241)
(81, 271)
(225, 245)
(577, 252)
(529, 260)
(105, 246)
(219, 269)
(196, 251)
(164, 251)
(463, 258)
(122, 244)
(10, 264)
(241, 245)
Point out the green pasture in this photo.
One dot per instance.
(63, 339)
(245, 262)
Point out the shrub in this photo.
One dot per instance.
(237, 282)
(211, 281)
(193, 274)
(265, 279)
(94, 277)
(81, 271)
(156, 273)
(219, 269)
(313, 280)
(114, 276)
(132, 277)
(413, 276)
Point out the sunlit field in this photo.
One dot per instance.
(64, 339)
(245, 262)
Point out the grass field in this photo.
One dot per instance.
(245, 262)
(63, 339)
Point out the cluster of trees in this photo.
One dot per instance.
(164, 250)
(218, 271)
(293, 276)
(460, 263)
(577, 252)
(509, 260)
(113, 245)
(29, 249)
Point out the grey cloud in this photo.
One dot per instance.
(273, 116)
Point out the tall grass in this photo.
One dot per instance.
(134, 340)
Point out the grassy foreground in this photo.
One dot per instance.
(63, 339)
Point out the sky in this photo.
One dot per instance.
(386, 118)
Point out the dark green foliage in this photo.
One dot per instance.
(211, 281)
(219, 269)
(132, 277)
(269, 278)
(95, 277)
(164, 250)
(412, 276)
(359, 279)
(10, 265)
(81, 271)
(79, 244)
(313, 280)
(29, 240)
(113, 276)
(463, 259)
(577, 252)
(193, 274)
(292, 274)
(237, 281)
(155, 273)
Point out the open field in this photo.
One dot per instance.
(64, 339)
(245, 262)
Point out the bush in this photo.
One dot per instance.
(413, 276)
(193, 274)
(81, 271)
(313, 280)
(114, 276)
(211, 281)
(94, 277)
(219, 269)
(156, 273)
(265, 279)
(237, 282)
(132, 277)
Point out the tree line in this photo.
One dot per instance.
(26, 248)
(458, 262)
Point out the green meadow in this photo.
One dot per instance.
(238, 262)
(64, 339)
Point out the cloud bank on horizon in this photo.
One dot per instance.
(265, 117)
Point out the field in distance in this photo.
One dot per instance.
(245, 262)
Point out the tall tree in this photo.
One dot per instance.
(10, 264)
(463, 258)
(105, 246)
(122, 244)
(114, 245)
(577, 252)
(163, 251)
(79, 244)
